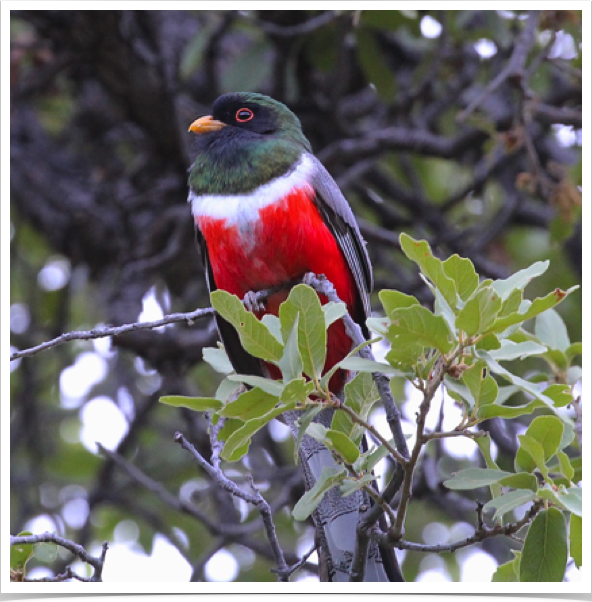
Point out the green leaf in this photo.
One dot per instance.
(394, 300)
(250, 404)
(217, 358)
(227, 389)
(530, 455)
(473, 478)
(479, 312)
(273, 324)
(371, 459)
(520, 480)
(351, 485)
(569, 499)
(572, 500)
(482, 386)
(509, 501)
(255, 337)
(501, 411)
(418, 325)
(238, 442)
(462, 271)
(511, 304)
(573, 350)
(484, 444)
(45, 552)
(378, 325)
(488, 343)
(307, 504)
(360, 395)
(20, 553)
(567, 437)
(575, 539)
(520, 279)
(197, 404)
(296, 391)
(441, 307)
(544, 555)
(303, 423)
(312, 335)
(512, 351)
(333, 312)
(507, 572)
(421, 253)
(538, 306)
(343, 445)
(557, 358)
(565, 466)
(522, 384)
(460, 392)
(559, 394)
(546, 430)
(574, 374)
(360, 364)
(405, 354)
(291, 363)
(317, 431)
(550, 329)
(273, 387)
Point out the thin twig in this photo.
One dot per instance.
(479, 535)
(430, 391)
(356, 418)
(113, 331)
(514, 70)
(255, 499)
(309, 26)
(96, 562)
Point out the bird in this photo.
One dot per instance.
(266, 212)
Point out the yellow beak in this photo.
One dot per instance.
(206, 124)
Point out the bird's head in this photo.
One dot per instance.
(251, 116)
(247, 140)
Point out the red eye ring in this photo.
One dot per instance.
(243, 115)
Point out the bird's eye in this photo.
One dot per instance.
(244, 115)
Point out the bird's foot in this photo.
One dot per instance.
(252, 302)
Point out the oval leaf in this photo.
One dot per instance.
(312, 334)
(544, 555)
(329, 477)
(343, 445)
(198, 404)
(473, 478)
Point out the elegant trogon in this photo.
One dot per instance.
(267, 212)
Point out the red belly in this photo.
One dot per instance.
(288, 240)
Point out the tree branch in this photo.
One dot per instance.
(255, 499)
(113, 331)
(481, 533)
(514, 70)
(96, 562)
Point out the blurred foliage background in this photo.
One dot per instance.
(461, 127)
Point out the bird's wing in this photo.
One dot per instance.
(340, 220)
(242, 362)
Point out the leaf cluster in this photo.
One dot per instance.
(477, 325)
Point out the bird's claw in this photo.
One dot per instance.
(252, 303)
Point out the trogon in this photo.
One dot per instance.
(267, 212)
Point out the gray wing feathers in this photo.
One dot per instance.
(342, 222)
